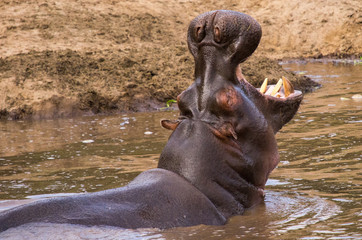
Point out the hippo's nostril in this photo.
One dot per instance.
(217, 35)
(199, 33)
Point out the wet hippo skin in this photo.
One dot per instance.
(219, 155)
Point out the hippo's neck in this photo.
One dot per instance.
(194, 153)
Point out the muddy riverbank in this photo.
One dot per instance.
(60, 59)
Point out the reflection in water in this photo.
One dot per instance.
(315, 193)
(67, 161)
(69, 231)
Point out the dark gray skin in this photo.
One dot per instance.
(156, 198)
(218, 158)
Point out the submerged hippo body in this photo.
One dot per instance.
(219, 156)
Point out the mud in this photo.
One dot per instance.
(67, 58)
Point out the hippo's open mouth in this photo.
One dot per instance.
(282, 89)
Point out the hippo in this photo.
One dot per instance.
(219, 155)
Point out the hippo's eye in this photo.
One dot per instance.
(217, 35)
(228, 99)
(199, 33)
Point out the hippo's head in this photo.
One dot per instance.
(223, 141)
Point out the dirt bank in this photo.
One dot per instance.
(64, 58)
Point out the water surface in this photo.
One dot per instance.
(315, 193)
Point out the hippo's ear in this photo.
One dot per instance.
(169, 124)
(224, 130)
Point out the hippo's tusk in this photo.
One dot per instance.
(288, 87)
(277, 90)
(277, 87)
(264, 86)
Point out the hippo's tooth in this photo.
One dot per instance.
(288, 87)
(264, 85)
(277, 87)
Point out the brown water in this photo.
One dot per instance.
(315, 193)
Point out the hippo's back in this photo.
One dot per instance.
(156, 198)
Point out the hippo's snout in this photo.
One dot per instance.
(236, 33)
